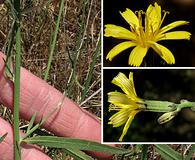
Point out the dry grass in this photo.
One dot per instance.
(38, 24)
(76, 43)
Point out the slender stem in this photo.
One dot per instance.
(17, 150)
(54, 41)
(90, 73)
(80, 40)
(186, 104)
(158, 106)
(165, 106)
(17, 94)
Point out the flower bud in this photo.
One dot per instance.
(166, 117)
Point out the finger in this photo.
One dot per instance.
(28, 152)
(37, 96)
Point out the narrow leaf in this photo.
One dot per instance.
(191, 152)
(31, 122)
(167, 152)
(77, 154)
(3, 137)
(144, 152)
(61, 142)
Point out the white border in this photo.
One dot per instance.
(102, 34)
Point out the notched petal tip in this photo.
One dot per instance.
(109, 122)
(130, 17)
(108, 58)
(131, 63)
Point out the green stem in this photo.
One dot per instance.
(90, 73)
(17, 151)
(186, 104)
(158, 106)
(17, 94)
(165, 106)
(54, 40)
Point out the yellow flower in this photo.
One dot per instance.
(126, 104)
(142, 37)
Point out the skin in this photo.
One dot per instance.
(37, 96)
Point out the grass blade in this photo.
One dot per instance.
(31, 122)
(61, 142)
(77, 154)
(52, 47)
(144, 152)
(90, 73)
(191, 152)
(17, 92)
(3, 137)
(167, 152)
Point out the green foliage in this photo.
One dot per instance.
(144, 152)
(90, 73)
(77, 154)
(61, 142)
(54, 39)
(167, 152)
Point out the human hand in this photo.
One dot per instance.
(36, 96)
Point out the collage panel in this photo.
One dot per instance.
(148, 105)
(71, 89)
(155, 33)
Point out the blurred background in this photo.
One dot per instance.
(154, 84)
(183, 50)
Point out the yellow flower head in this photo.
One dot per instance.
(143, 36)
(126, 104)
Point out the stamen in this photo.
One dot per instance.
(142, 12)
(142, 36)
(140, 17)
(165, 13)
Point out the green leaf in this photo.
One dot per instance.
(3, 137)
(77, 154)
(31, 122)
(191, 152)
(167, 152)
(61, 142)
(144, 152)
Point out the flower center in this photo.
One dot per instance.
(145, 33)
(140, 31)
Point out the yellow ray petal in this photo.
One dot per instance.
(137, 55)
(175, 35)
(119, 48)
(119, 32)
(130, 17)
(172, 25)
(123, 82)
(119, 118)
(121, 100)
(128, 123)
(132, 83)
(153, 18)
(164, 52)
